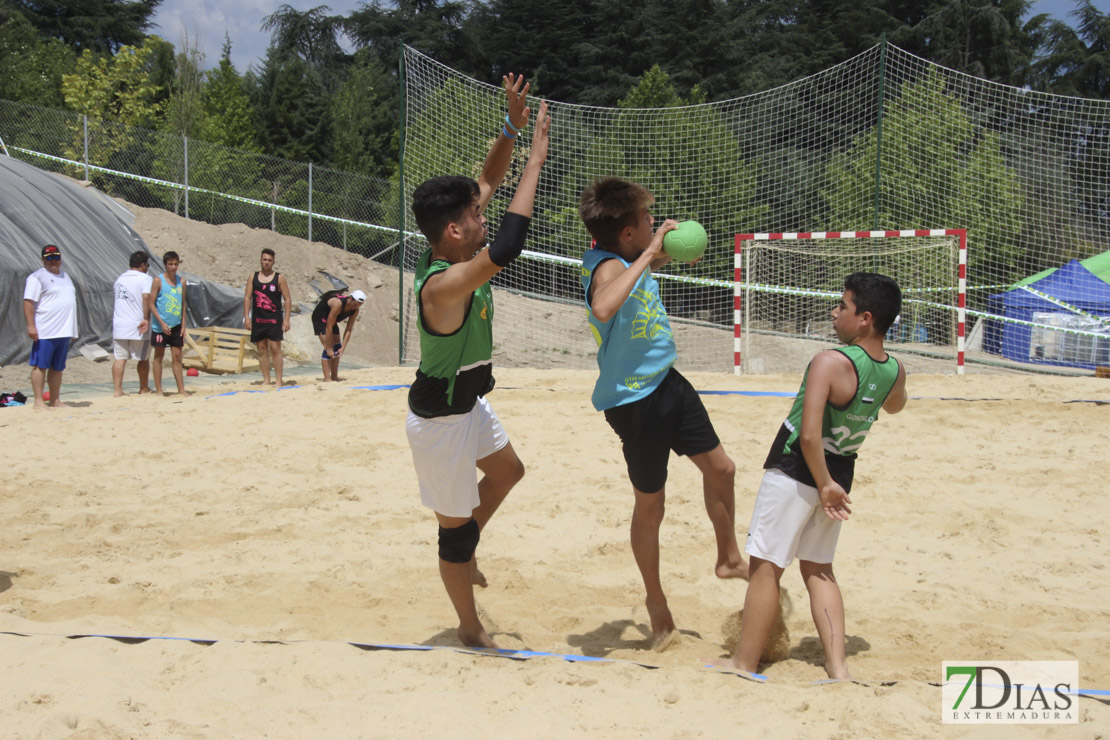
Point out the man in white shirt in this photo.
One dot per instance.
(131, 322)
(50, 308)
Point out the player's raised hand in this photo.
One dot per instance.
(516, 90)
(539, 135)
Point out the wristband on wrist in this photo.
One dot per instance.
(509, 123)
(506, 134)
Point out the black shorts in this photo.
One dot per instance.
(173, 339)
(671, 418)
(272, 332)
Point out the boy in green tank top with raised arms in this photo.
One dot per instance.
(451, 427)
(803, 498)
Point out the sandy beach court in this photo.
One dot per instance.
(274, 529)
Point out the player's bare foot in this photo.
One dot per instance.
(729, 665)
(838, 672)
(145, 391)
(119, 394)
(42, 406)
(663, 631)
(478, 639)
(659, 643)
(59, 404)
(732, 570)
(476, 576)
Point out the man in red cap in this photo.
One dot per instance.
(50, 307)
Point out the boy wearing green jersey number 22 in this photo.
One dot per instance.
(804, 494)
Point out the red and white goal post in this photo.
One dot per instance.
(793, 278)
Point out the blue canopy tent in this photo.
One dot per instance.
(1066, 337)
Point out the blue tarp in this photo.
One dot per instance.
(1072, 284)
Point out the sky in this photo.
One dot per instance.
(206, 21)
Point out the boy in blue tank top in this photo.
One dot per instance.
(651, 407)
(167, 322)
(804, 494)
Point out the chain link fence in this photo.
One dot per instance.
(208, 182)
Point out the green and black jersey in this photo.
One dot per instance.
(843, 429)
(455, 369)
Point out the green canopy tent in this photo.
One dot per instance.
(1099, 265)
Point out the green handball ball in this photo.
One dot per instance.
(686, 243)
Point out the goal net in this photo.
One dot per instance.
(786, 284)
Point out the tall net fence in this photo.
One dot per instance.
(208, 182)
(883, 141)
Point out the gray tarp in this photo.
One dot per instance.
(38, 208)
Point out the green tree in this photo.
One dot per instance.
(185, 112)
(655, 90)
(227, 106)
(311, 35)
(116, 88)
(435, 27)
(117, 96)
(291, 110)
(364, 115)
(984, 38)
(228, 161)
(1076, 61)
(592, 53)
(32, 67)
(89, 25)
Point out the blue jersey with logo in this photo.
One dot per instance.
(635, 348)
(168, 305)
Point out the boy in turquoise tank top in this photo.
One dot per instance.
(803, 498)
(167, 322)
(451, 427)
(646, 401)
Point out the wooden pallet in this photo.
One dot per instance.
(219, 349)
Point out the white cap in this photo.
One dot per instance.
(359, 296)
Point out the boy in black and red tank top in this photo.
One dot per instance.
(266, 307)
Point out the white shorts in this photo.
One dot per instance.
(788, 522)
(445, 451)
(131, 349)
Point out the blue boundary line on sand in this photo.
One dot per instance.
(392, 387)
(751, 394)
(480, 652)
(207, 641)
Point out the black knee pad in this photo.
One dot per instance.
(457, 545)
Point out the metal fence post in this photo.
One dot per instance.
(85, 125)
(186, 140)
(401, 205)
(879, 131)
(310, 201)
